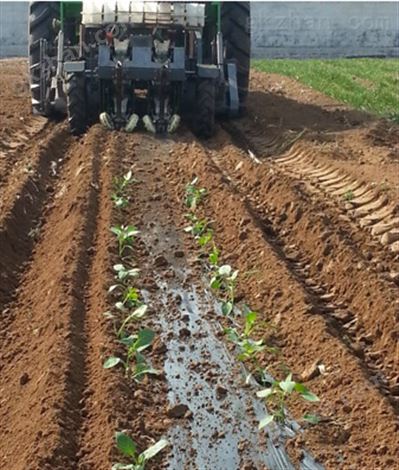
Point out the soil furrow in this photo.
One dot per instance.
(111, 401)
(66, 453)
(48, 328)
(106, 397)
(23, 207)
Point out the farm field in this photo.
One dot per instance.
(188, 292)
(366, 84)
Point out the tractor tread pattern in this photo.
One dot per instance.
(236, 34)
(76, 103)
(206, 103)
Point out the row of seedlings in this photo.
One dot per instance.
(127, 312)
(223, 280)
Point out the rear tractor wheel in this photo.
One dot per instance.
(205, 108)
(75, 88)
(237, 39)
(42, 40)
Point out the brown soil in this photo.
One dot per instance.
(303, 198)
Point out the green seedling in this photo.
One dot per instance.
(128, 448)
(198, 226)
(224, 279)
(194, 195)
(131, 297)
(121, 183)
(125, 236)
(276, 397)
(205, 238)
(136, 315)
(120, 202)
(250, 320)
(214, 256)
(349, 196)
(135, 361)
(248, 347)
(123, 275)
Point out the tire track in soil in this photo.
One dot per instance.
(351, 434)
(320, 253)
(371, 209)
(95, 405)
(44, 349)
(23, 207)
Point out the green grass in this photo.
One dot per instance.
(368, 84)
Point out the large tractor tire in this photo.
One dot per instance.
(41, 26)
(205, 108)
(75, 88)
(237, 39)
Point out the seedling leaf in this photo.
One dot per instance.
(305, 393)
(122, 466)
(224, 270)
(264, 393)
(288, 384)
(250, 319)
(311, 419)
(144, 339)
(227, 308)
(215, 283)
(112, 362)
(232, 335)
(125, 444)
(265, 421)
(155, 449)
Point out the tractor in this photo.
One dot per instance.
(133, 64)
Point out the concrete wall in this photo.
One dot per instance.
(279, 29)
(324, 29)
(13, 29)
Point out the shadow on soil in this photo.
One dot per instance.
(289, 114)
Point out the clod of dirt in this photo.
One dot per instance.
(358, 350)
(179, 254)
(178, 411)
(394, 277)
(188, 414)
(159, 347)
(311, 372)
(24, 379)
(243, 235)
(184, 333)
(160, 261)
(221, 392)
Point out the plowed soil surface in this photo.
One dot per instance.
(302, 197)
